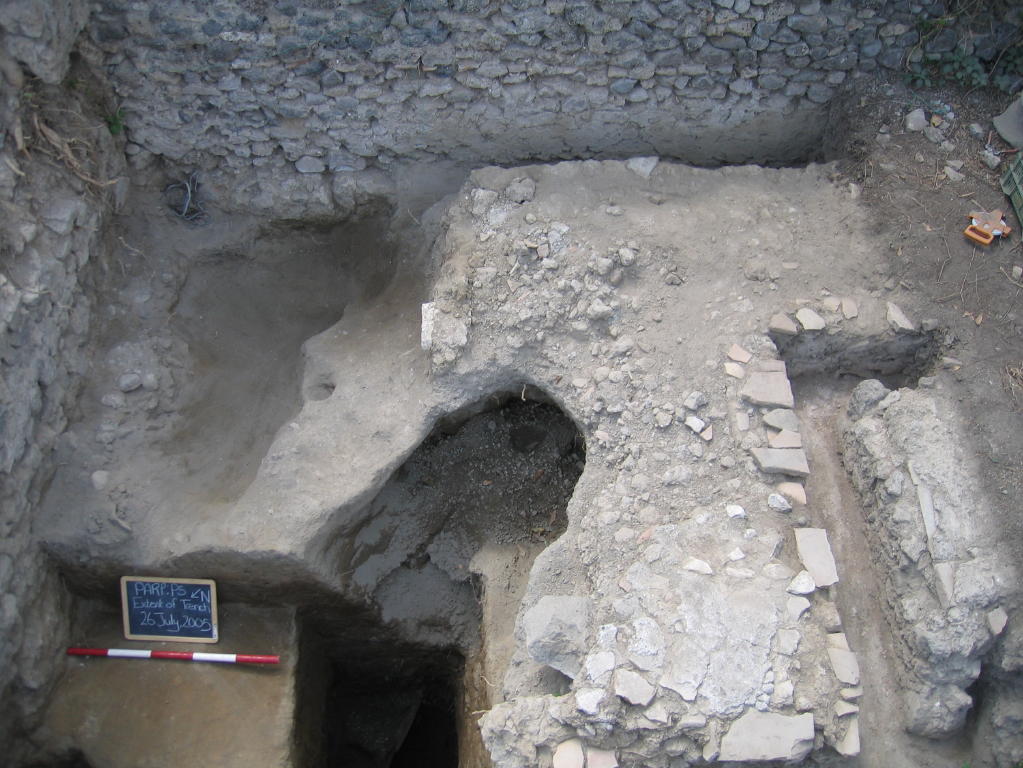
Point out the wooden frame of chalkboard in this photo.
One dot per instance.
(173, 610)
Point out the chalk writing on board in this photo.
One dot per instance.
(157, 608)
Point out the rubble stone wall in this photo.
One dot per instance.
(50, 232)
(323, 90)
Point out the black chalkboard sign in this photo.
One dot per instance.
(183, 610)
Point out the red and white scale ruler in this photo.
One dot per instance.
(130, 653)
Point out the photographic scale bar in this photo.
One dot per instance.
(221, 658)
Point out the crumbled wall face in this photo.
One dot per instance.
(49, 232)
(42, 34)
(945, 582)
(303, 88)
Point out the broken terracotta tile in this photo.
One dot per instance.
(785, 439)
(738, 354)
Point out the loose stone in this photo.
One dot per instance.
(695, 423)
(794, 492)
(816, 556)
(782, 418)
(569, 754)
(633, 688)
(698, 566)
(782, 324)
(735, 370)
(810, 320)
(898, 319)
(802, 584)
(129, 382)
(738, 354)
(785, 439)
(787, 461)
(735, 511)
(768, 388)
(843, 661)
(768, 736)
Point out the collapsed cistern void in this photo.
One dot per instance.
(443, 557)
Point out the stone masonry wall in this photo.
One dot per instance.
(50, 229)
(323, 90)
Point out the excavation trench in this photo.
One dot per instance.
(825, 369)
(443, 556)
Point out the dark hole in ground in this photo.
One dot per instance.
(896, 360)
(387, 685)
(390, 716)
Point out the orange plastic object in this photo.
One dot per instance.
(978, 235)
(985, 226)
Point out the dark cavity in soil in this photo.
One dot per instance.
(388, 687)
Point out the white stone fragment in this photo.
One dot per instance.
(898, 319)
(996, 621)
(695, 423)
(600, 758)
(569, 754)
(735, 370)
(849, 744)
(844, 708)
(847, 669)
(779, 503)
(633, 688)
(429, 311)
(768, 736)
(838, 640)
(785, 439)
(735, 511)
(787, 641)
(101, 477)
(607, 636)
(698, 566)
(556, 629)
(736, 554)
(738, 354)
(643, 166)
(786, 461)
(657, 713)
(739, 573)
(692, 721)
(794, 492)
(810, 320)
(782, 418)
(946, 573)
(588, 700)
(851, 693)
(783, 693)
(802, 584)
(916, 120)
(778, 572)
(599, 666)
(768, 388)
(796, 607)
(815, 554)
(783, 325)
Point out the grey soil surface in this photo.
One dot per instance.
(284, 394)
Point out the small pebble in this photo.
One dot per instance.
(129, 382)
